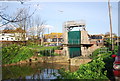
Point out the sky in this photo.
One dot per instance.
(95, 14)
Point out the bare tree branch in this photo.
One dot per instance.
(4, 24)
(9, 19)
(16, 19)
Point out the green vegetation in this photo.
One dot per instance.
(48, 51)
(14, 53)
(95, 53)
(34, 46)
(99, 68)
(47, 54)
(39, 48)
(92, 70)
(44, 51)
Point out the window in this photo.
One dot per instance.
(7, 38)
(3, 34)
(61, 36)
(55, 40)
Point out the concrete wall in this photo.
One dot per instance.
(65, 51)
(84, 37)
(85, 40)
(78, 62)
(65, 37)
(58, 59)
(93, 48)
(84, 51)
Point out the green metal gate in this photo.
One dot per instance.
(74, 51)
(74, 40)
(74, 37)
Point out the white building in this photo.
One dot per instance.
(13, 35)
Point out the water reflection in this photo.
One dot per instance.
(35, 71)
(45, 74)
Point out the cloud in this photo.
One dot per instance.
(48, 26)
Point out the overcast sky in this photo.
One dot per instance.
(95, 14)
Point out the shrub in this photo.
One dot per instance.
(92, 70)
(14, 53)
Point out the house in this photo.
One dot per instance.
(53, 38)
(96, 39)
(13, 35)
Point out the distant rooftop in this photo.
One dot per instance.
(53, 35)
(17, 30)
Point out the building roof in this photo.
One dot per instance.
(17, 30)
(98, 35)
(53, 35)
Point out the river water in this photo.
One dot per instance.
(35, 71)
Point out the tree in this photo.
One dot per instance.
(23, 24)
(40, 26)
(6, 19)
(37, 28)
(23, 19)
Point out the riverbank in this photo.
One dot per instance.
(13, 53)
(54, 59)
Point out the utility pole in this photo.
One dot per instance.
(111, 38)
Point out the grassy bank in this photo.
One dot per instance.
(15, 53)
(41, 48)
(44, 50)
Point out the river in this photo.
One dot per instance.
(35, 71)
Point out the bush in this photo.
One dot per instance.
(92, 70)
(48, 51)
(14, 53)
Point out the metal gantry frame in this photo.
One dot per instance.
(69, 25)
